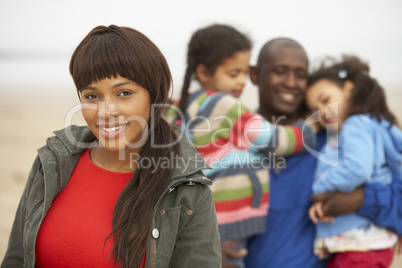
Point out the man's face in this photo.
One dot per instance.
(282, 80)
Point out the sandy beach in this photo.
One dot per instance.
(28, 120)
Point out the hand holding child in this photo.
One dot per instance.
(316, 213)
(338, 203)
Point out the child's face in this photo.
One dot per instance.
(332, 102)
(231, 76)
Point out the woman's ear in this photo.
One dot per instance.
(203, 74)
(254, 75)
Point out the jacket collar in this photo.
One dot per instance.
(78, 138)
(75, 138)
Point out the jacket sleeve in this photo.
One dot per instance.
(198, 243)
(383, 204)
(14, 256)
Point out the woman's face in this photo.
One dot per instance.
(117, 111)
(332, 102)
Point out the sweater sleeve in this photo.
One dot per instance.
(355, 162)
(383, 204)
(223, 120)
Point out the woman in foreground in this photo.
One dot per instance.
(125, 191)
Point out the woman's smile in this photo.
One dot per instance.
(114, 132)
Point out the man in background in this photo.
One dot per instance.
(281, 75)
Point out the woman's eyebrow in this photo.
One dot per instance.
(123, 84)
(114, 86)
(89, 87)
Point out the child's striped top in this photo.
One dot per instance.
(239, 146)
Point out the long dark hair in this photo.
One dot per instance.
(108, 52)
(210, 46)
(367, 95)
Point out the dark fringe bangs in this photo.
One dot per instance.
(110, 51)
(98, 61)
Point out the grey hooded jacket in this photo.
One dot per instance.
(184, 231)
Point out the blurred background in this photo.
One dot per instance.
(38, 37)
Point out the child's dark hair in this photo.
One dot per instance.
(367, 95)
(108, 52)
(210, 46)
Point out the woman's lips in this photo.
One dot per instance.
(111, 132)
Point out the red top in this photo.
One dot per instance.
(74, 230)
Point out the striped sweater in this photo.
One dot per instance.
(239, 146)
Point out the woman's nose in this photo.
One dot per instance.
(107, 109)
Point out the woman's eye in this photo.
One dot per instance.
(125, 93)
(91, 96)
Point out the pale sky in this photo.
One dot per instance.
(38, 37)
